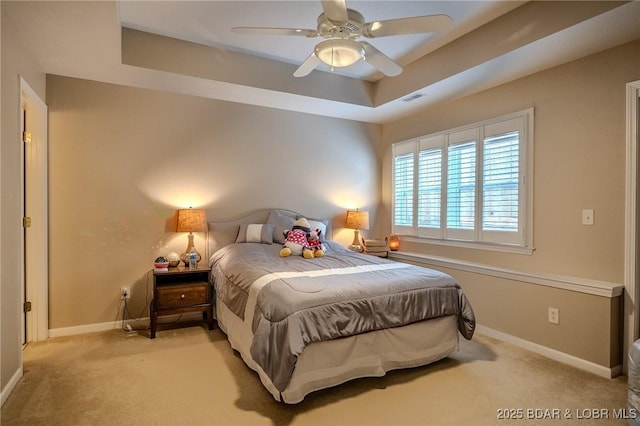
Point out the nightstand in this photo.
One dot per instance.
(181, 290)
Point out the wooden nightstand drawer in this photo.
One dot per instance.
(181, 295)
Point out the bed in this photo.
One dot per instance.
(309, 324)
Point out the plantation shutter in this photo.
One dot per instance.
(403, 188)
(501, 183)
(461, 185)
(430, 190)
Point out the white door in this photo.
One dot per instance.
(35, 212)
(632, 224)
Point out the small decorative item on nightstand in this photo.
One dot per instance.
(376, 247)
(394, 243)
(161, 264)
(174, 259)
(193, 259)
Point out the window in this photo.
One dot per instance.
(467, 185)
(403, 189)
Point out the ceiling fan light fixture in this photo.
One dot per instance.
(339, 52)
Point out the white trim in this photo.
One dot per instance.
(13, 382)
(25, 319)
(582, 364)
(504, 248)
(631, 308)
(580, 285)
(36, 240)
(136, 324)
(85, 328)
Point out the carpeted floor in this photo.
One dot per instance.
(190, 376)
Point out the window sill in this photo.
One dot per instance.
(504, 248)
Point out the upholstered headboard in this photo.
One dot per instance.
(224, 232)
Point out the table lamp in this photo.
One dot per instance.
(191, 220)
(357, 220)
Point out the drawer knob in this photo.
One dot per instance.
(182, 296)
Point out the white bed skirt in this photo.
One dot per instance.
(330, 363)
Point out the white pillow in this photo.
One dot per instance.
(321, 225)
(255, 233)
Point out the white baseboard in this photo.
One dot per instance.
(85, 328)
(139, 323)
(6, 391)
(553, 354)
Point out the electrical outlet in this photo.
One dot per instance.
(554, 316)
(125, 293)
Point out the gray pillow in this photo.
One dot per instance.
(281, 222)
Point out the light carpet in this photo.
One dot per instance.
(190, 376)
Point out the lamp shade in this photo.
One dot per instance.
(357, 219)
(191, 220)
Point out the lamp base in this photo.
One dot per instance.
(355, 244)
(184, 257)
(357, 248)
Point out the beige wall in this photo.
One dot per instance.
(589, 329)
(16, 62)
(122, 160)
(579, 162)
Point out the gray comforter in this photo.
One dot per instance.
(295, 301)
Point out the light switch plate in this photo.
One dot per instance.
(587, 216)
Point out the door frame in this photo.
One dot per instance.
(632, 289)
(34, 192)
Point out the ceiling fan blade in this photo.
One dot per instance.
(275, 31)
(307, 66)
(413, 25)
(382, 62)
(335, 11)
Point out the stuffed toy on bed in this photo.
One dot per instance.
(314, 243)
(297, 240)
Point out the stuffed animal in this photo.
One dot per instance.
(297, 240)
(314, 243)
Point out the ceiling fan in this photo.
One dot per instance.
(341, 27)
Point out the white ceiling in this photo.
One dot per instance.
(82, 39)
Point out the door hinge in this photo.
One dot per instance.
(26, 222)
(26, 137)
(27, 306)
